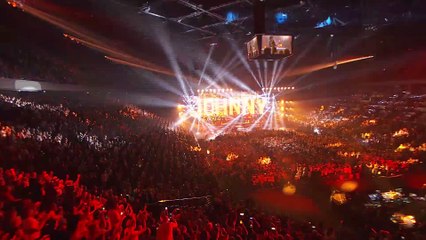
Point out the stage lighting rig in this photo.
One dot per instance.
(267, 46)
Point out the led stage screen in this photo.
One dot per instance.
(232, 106)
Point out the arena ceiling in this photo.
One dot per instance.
(391, 30)
(203, 19)
(207, 19)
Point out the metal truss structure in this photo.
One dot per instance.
(207, 30)
(199, 16)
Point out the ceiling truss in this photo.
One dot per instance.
(198, 11)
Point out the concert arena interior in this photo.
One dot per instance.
(213, 120)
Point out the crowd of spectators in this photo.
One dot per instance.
(380, 122)
(69, 171)
(119, 145)
(293, 156)
(43, 206)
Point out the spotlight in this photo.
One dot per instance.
(213, 44)
(27, 86)
(331, 35)
(317, 131)
(292, 88)
(231, 17)
(325, 23)
(349, 186)
(289, 189)
(281, 17)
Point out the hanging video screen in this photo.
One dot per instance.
(270, 47)
(253, 48)
(277, 45)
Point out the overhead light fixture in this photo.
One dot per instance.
(145, 8)
(231, 17)
(281, 17)
(325, 23)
